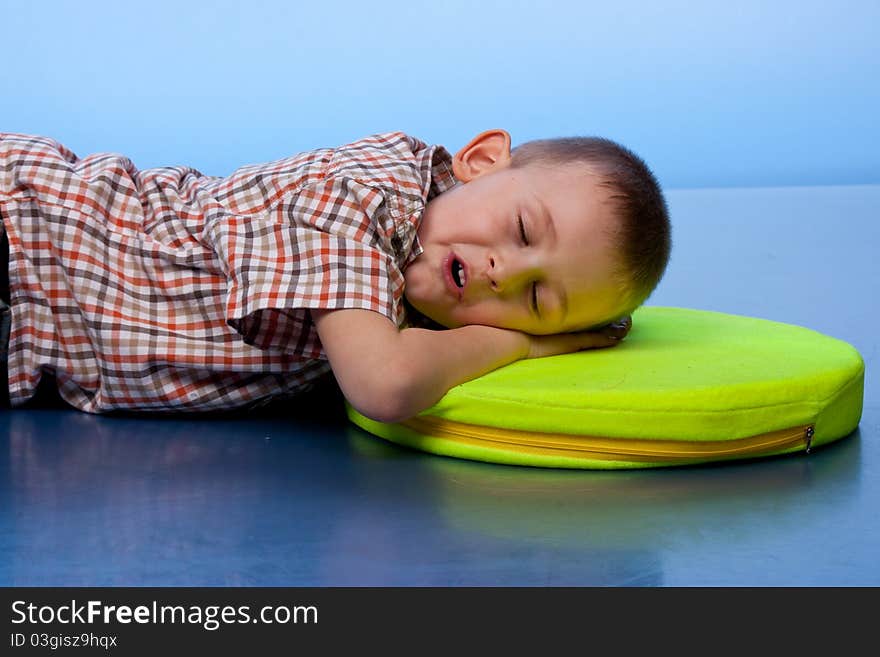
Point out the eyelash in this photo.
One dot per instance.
(522, 230)
(525, 240)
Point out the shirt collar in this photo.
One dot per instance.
(435, 167)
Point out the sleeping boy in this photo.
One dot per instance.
(402, 270)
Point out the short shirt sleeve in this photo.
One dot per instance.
(333, 244)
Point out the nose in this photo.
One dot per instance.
(505, 274)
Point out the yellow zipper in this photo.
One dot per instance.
(613, 449)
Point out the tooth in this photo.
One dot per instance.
(456, 273)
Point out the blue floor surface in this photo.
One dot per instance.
(298, 497)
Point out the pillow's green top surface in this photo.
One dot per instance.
(686, 386)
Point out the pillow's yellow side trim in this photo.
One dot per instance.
(492, 444)
(615, 449)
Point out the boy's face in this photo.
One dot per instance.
(550, 274)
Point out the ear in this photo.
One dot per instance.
(487, 152)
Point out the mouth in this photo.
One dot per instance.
(455, 274)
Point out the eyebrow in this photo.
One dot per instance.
(550, 227)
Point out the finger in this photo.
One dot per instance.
(609, 341)
(611, 332)
(625, 323)
(600, 340)
(621, 326)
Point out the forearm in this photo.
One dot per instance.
(388, 374)
(439, 360)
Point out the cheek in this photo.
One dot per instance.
(495, 312)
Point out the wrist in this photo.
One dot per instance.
(523, 343)
(512, 344)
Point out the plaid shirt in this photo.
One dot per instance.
(168, 289)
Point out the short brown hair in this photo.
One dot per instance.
(644, 234)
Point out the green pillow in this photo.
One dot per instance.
(686, 386)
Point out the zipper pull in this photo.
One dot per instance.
(808, 438)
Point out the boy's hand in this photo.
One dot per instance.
(563, 343)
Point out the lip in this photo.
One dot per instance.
(457, 292)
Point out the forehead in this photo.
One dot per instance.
(575, 201)
(576, 182)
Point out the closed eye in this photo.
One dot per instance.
(533, 300)
(522, 231)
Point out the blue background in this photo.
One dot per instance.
(711, 94)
